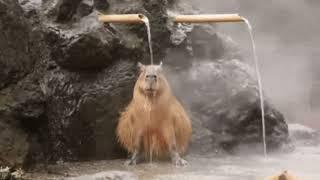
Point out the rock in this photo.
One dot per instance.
(206, 43)
(108, 175)
(223, 96)
(30, 7)
(21, 121)
(101, 5)
(90, 45)
(85, 8)
(15, 55)
(82, 111)
(199, 42)
(220, 91)
(20, 102)
(87, 47)
(13, 142)
(10, 174)
(156, 11)
(299, 132)
(66, 9)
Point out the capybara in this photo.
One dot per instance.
(284, 176)
(154, 124)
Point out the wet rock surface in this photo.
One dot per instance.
(15, 58)
(223, 100)
(221, 92)
(82, 111)
(65, 77)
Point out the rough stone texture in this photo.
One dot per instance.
(20, 102)
(67, 9)
(101, 5)
(15, 60)
(82, 110)
(223, 98)
(65, 77)
(89, 46)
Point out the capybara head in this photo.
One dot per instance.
(151, 80)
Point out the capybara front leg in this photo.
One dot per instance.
(177, 160)
(175, 157)
(134, 158)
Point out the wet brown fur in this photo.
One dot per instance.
(159, 120)
(284, 176)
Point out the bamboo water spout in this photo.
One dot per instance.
(201, 18)
(123, 18)
(208, 18)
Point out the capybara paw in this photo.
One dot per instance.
(131, 162)
(180, 162)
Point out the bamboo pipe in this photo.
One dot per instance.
(123, 18)
(208, 18)
(202, 18)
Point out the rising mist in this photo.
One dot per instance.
(286, 34)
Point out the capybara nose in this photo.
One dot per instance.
(151, 76)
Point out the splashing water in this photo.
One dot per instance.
(255, 57)
(146, 22)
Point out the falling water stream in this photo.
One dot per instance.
(146, 22)
(148, 106)
(255, 57)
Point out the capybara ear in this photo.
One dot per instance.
(141, 66)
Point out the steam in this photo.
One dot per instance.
(287, 38)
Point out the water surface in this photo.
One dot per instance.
(303, 161)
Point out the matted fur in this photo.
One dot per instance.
(158, 120)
